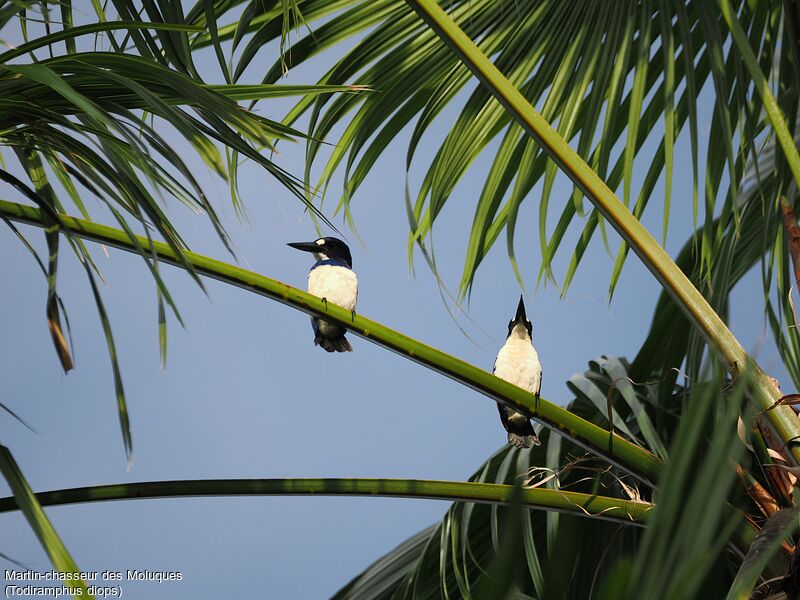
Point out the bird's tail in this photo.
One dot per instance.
(523, 441)
(330, 336)
(339, 344)
(519, 428)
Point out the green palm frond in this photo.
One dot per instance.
(707, 323)
(683, 553)
(566, 558)
(563, 557)
(29, 504)
(87, 123)
(619, 82)
(757, 235)
(780, 526)
(608, 77)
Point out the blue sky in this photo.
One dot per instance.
(246, 394)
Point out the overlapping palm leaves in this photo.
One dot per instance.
(601, 74)
(645, 405)
(609, 77)
(665, 53)
(85, 124)
(567, 556)
(449, 558)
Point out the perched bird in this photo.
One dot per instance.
(332, 279)
(518, 363)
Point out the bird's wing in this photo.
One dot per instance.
(539, 389)
(315, 326)
(503, 415)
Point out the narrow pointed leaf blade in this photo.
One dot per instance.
(37, 519)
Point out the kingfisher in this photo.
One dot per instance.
(518, 363)
(331, 278)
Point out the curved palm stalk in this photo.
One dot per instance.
(613, 447)
(655, 258)
(588, 505)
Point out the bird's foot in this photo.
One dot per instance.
(325, 301)
(352, 315)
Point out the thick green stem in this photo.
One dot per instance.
(598, 507)
(654, 257)
(617, 450)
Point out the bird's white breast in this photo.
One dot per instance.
(338, 285)
(518, 363)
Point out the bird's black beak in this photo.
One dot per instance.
(305, 246)
(520, 316)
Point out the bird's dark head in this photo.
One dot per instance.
(519, 326)
(326, 248)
